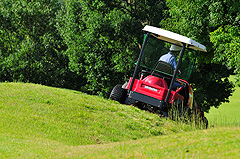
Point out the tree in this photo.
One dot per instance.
(199, 20)
(103, 38)
(30, 46)
(225, 18)
(226, 43)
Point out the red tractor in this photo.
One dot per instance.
(153, 86)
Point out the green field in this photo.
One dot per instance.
(227, 113)
(45, 122)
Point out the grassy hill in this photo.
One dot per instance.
(44, 122)
(39, 121)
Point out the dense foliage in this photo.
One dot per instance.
(91, 45)
(30, 46)
(201, 21)
(104, 38)
(225, 18)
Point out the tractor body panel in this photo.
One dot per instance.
(151, 90)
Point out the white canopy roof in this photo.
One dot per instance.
(174, 38)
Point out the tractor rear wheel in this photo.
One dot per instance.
(118, 94)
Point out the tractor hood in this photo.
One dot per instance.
(174, 38)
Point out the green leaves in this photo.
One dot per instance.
(31, 48)
(103, 39)
(226, 41)
(216, 25)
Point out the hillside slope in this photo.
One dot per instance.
(44, 122)
(33, 115)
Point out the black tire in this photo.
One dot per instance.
(118, 94)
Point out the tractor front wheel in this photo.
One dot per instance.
(118, 94)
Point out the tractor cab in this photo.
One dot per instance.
(156, 83)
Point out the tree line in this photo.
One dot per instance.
(91, 45)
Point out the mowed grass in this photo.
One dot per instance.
(217, 143)
(44, 122)
(227, 113)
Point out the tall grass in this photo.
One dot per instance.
(184, 115)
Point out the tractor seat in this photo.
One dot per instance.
(164, 67)
(164, 70)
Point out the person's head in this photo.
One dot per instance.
(174, 49)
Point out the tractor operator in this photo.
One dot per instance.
(170, 58)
